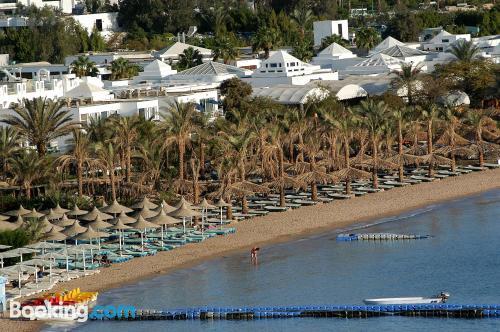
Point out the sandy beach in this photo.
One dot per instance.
(280, 227)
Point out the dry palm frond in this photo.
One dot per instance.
(317, 176)
(286, 182)
(360, 157)
(405, 159)
(417, 150)
(460, 151)
(247, 186)
(351, 173)
(379, 163)
(434, 159)
(298, 168)
(445, 139)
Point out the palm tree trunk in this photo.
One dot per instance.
(202, 160)
(375, 163)
(41, 148)
(182, 150)
(300, 156)
(479, 140)
(281, 173)
(79, 176)
(314, 191)
(400, 150)
(112, 180)
(129, 164)
(429, 146)
(346, 159)
(27, 187)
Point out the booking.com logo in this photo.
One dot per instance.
(78, 313)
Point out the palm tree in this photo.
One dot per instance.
(9, 145)
(82, 66)
(151, 155)
(303, 49)
(476, 119)
(178, 126)
(26, 168)
(224, 48)
(266, 39)
(450, 118)
(108, 160)
(367, 38)
(125, 137)
(189, 58)
(78, 155)
(40, 121)
(407, 81)
(122, 69)
(465, 51)
(374, 119)
(327, 41)
(303, 17)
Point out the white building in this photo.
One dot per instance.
(173, 52)
(375, 65)
(155, 71)
(442, 41)
(385, 44)
(106, 23)
(65, 6)
(209, 72)
(406, 54)
(283, 68)
(324, 29)
(330, 54)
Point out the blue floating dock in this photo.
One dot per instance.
(379, 237)
(465, 311)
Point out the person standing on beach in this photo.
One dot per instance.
(253, 255)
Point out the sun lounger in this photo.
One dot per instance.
(340, 196)
(275, 208)
(305, 202)
(489, 165)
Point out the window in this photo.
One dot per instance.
(445, 40)
(292, 64)
(274, 65)
(83, 118)
(340, 29)
(267, 65)
(98, 24)
(142, 113)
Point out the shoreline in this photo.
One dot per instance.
(278, 228)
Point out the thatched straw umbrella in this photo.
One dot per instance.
(348, 174)
(124, 219)
(204, 206)
(145, 203)
(59, 210)
(64, 221)
(76, 211)
(52, 215)
(19, 212)
(90, 234)
(181, 202)
(184, 211)
(4, 218)
(92, 215)
(33, 214)
(120, 226)
(116, 208)
(8, 226)
(221, 203)
(47, 225)
(145, 213)
(141, 225)
(54, 235)
(163, 220)
(74, 229)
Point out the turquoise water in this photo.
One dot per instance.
(462, 258)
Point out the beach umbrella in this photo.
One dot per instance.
(163, 219)
(165, 207)
(51, 215)
(17, 270)
(142, 224)
(204, 206)
(120, 226)
(181, 202)
(124, 219)
(76, 211)
(74, 229)
(98, 223)
(221, 203)
(44, 245)
(90, 234)
(94, 213)
(184, 211)
(47, 225)
(3, 247)
(59, 210)
(116, 208)
(34, 214)
(64, 221)
(18, 252)
(19, 212)
(54, 235)
(4, 218)
(145, 213)
(36, 262)
(8, 226)
(145, 203)
(62, 254)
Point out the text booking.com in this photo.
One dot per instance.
(79, 313)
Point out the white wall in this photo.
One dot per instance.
(109, 22)
(324, 29)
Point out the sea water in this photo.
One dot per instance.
(462, 258)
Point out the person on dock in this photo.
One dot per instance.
(253, 255)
